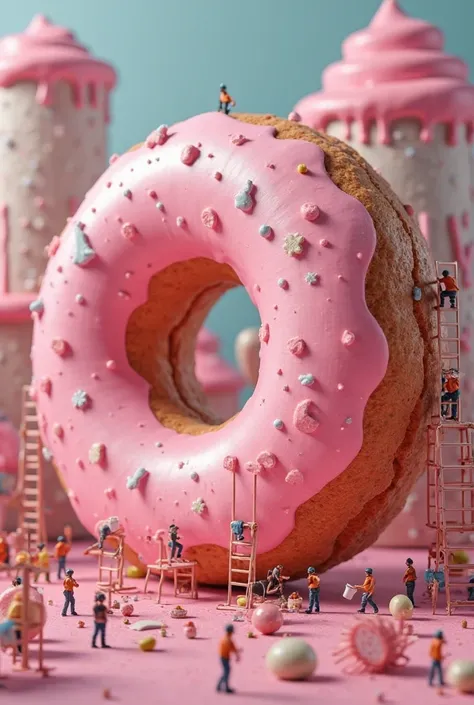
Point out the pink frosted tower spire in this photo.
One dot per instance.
(408, 108)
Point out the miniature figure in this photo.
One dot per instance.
(451, 392)
(450, 289)
(436, 657)
(16, 582)
(173, 543)
(225, 100)
(15, 614)
(61, 551)
(237, 528)
(68, 592)
(368, 589)
(105, 529)
(226, 648)
(275, 581)
(313, 587)
(100, 621)
(470, 590)
(41, 561)
(409, 579)
(4, 555)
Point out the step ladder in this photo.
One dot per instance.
(242, 554)
(111, 565)
(29, 490)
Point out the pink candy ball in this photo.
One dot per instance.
(267, 618)
(127, 609)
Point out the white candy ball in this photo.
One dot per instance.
(400, 607)
(291, 659)
(461, 675)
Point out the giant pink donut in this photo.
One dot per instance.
(185, 194)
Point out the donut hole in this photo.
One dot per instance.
(161, 339)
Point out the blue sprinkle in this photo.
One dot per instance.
(83, 252)
(416, 293)
(244, 201)
(278, 423)
(37, 306)
(265, 231)
(306, 380)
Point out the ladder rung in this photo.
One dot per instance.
(242, 543)
(234, 584)
(107, 569)
(239, 557)
(30, 417)
(31, 478)
(32, 432)
(31, 515)
(245, 571)
(30, 504)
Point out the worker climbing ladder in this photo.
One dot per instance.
(242, 553)
(29, 492)
(450, 464)
(111, 565)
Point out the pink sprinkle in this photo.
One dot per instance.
(58, 430)
(304, 417)
(189, 154)
(45, 385)
(279, 372)
(59, 346)
(270, 166)
(294, 117)
(359, 255)
(231, 463)
(53, 246)
(111, 365)
(409, 209)
(180, 464)
(255, 468)
(294, 477)
(157, 137)
(218, 176)
(129, 231)
(110, 493)
(72, 495)
(114, 158)
(309, 211)
(340, 387)
(238, 140)
(266, 459)
(324, 242)
(348, 338)
(286, 388)
(210, 219)
(79, 463)
(180, 221)
(296, 346)
(264, 333)
(152, 194)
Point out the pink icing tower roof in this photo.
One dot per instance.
(46, 53)
(212, 371)
(395, 68)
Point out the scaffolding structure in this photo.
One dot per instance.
(29, 490)
(184, 572)
(450, 469)
(111, 564)
(243, 562)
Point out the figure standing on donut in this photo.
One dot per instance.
(225, 100)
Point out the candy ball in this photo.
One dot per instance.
(147, 644)
(127, 609)
(135, 571)
(241, 601)
(461, 675)
(460, 557)
(400, 607)
(37, 608)
(291, 659)
(267, 618)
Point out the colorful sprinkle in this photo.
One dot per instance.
(210, 219)
(302, 169)
(58, 430)
(198, 506)
(80, 399)
(294, 117)
(310, 211)
(157, 137)
(190, 154)
(110, 493)
(45, 385)
(267, 459)
(278, 424)
(244, 200)
(409, 209)
(231, 463)
(152, 193)
(282, 283)
(194, 476)
(37, 307)
(160, 205)
(60, 347)
(218, 176)
(311, 278)
(111, 365)
(306, 380)
(79, 298)
(294, 477)
(134, 481)
(324, 243)
(113, 158)
(304, 417)
(264, 333)
(129, 231)
(293, 244)
(128, 194)
(47, 455)
(238, 140)
(180, 221)
(348, 421)
(348, 338)
(265, 231)
(83, 252)
(417, 293)
(97, 453)
(296, 346)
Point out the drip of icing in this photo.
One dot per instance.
(424, 225)
(45, 53)
(462, 253)
(395, 68)
(4, 228)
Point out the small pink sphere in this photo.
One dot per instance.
(127, 609)
(37, 608)
(267, 618)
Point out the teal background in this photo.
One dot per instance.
(172, 55)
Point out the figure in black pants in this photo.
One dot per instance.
(409, 578)
(100, 621)
(173, 543)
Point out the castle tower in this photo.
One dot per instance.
(54, 113)
(53, 125)
(408, 108)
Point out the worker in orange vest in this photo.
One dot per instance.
(451, 393)
(225, 100)
(436, 656)
(61, 551)
(450, 290)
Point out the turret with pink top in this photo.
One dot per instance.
(407, 106)
(54, 112)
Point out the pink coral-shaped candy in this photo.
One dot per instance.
(294, 477)
(129, 231)
(266, 459)
(190, 154)
(45, 385)
(210, 219)
(304, 417)
(348, 338)
(231, 463)
(296, 346)
(310, 211)
(60, 347)
(264, 333)
(157, 137)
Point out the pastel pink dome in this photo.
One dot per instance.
(9, 447)
(214, 374)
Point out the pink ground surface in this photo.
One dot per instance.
(182, 670)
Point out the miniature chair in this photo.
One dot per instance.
(184, 572)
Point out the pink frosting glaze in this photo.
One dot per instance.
(45, 53)
(395, 68)
(212, 371)
(135, 449)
